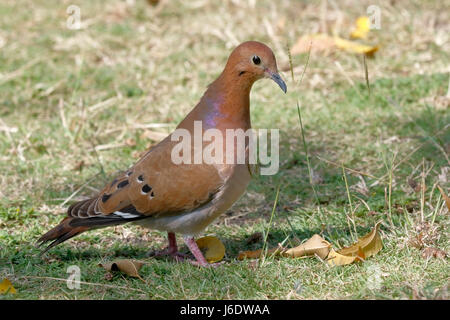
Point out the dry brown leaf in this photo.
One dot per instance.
(129, 267)
(213, 248)
(337, 259)
(446, 198)
(7, 287)
(431, 252)
(315, 245)
(367, 246)
(255, 254)
(370, 244)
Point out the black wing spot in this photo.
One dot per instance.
(105, 197)
(129, 173)
(146, 188)
(140, 178)
(122, 184)
(241, 73)
(152, 195)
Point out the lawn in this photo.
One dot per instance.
(79, 105)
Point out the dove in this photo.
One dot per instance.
(162, 194)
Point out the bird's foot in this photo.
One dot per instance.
(200, 260)
(168, 252)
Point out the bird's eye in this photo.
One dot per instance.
(256, 60)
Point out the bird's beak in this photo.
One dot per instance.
(276, 77)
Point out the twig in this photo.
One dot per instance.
(83, 282)
(346, 168)
(79, 189)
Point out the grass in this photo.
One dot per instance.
(76, 106)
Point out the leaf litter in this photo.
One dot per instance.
(365, 247)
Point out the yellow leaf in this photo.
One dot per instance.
(315, 245)
(213, 248)
(355, 47)
(362, 28)
(337, 259)
(129, 267)
(370, 244)
(6, 287)
(365, 247)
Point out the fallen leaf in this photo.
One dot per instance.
(365, 247)
(255, 254)
(315, 245)
(362, 28)
(324, 43)
(213, 248)
(7, 287)
(446, 198)
(370, 244)
(129, 267)
(431, 252)
(355, 47)
(318, 42)
(336, 259)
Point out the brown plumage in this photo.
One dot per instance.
(184, 198)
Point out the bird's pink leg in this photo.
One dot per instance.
(192, 245)
(171, 250)
(201, 261)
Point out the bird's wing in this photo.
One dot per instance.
(154, 186)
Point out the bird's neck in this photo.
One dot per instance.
(224, 105)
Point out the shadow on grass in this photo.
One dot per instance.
(233, 245)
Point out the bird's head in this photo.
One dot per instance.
(251, 61)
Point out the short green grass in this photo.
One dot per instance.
(76, 106)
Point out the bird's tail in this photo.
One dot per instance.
(80, 220)
(62, 232)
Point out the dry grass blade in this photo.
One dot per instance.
(446, 198)
(366, 73)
